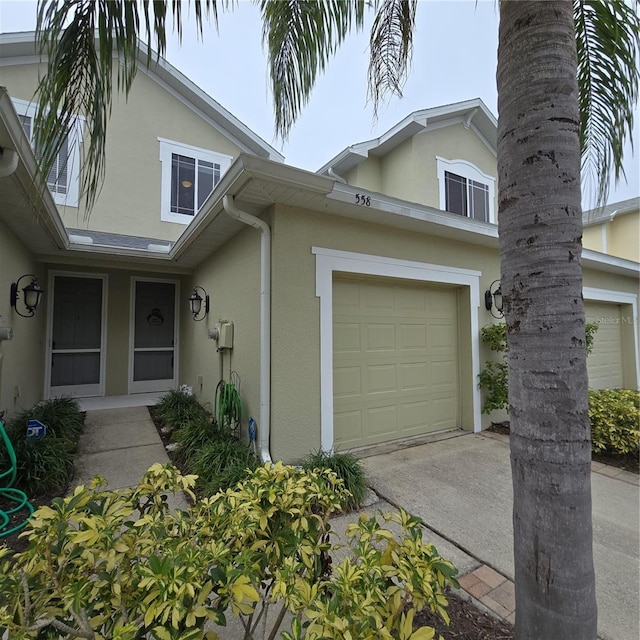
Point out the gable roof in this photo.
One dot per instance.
(20, 48)
(472, 114)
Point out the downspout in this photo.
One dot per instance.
(264, 425)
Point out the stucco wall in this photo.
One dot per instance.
(410, 170)
(22, 358)
(232, 279)
(624, 237)
(130, 199)
(295, 315)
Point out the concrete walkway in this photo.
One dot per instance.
(460, 487)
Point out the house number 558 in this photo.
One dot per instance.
(363, 200)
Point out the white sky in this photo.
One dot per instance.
(454, 59)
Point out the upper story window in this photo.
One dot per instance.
(465, 190)
(64, 177)
(189, 175)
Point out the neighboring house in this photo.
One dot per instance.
(614, 229)
(356, 293)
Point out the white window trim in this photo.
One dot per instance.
(72, 197)
(619, 297)
(329, 261)
(470, 172)
(169, 147)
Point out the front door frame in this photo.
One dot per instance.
(76, 391)
(152, 385)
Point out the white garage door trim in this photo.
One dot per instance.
(618, 297)
(330, 260)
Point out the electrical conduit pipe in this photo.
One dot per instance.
(264, 426)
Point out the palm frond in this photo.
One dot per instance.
(608, 46)
(86, 44)
(391, 45)
(300, 36)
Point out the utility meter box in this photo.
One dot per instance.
(225, 338)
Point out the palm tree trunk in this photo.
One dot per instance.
(540, 225)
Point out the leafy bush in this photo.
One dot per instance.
(615, 421)
(347, 467)
(178, 408)
(494, 377)
(221, 464)
(127, 567)
(45, 464)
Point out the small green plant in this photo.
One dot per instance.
(122, 565)
(494, 377)
(614, 415)
(178, 408)
(221, 464)
(193, 436)
(347, 467)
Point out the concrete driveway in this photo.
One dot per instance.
(461, 488)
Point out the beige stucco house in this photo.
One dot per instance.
(356, 294)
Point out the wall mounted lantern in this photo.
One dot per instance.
(30, 295)
(195, 302)
(493, 299)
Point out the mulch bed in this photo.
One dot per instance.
(13, 540)
(628, 462)
(467, 622)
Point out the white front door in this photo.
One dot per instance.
(153, 336)
(76, 345)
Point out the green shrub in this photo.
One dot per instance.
(42, 464)
(221, 464)
(178, 408)
(127, 567)
(62, 416)
(347, 467)
(193, 436)
(45, 464)
(615, 421)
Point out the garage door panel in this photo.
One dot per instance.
(346, 338)
(443, 375)
(412, 336)
(381, 379)
(414, 376)
(443, 337)
(382, 422)
(379, 297)
(397, 376)
(349, 425)
(346, 295)
(347, 382)
(380, 337)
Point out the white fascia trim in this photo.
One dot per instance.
(492, 149)
(469, 171)
(619, 297)
(330, 260)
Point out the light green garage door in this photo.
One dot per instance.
(395, 360)
(604, 363)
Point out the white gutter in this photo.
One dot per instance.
(264, 424)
